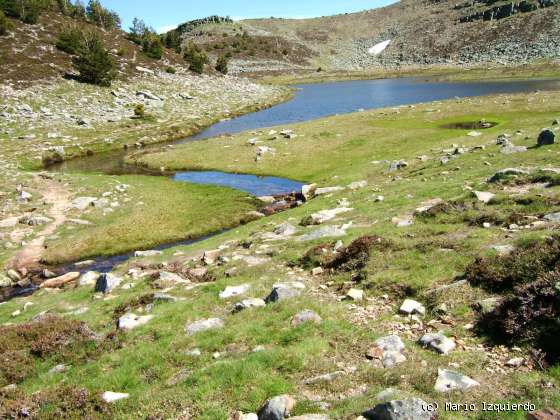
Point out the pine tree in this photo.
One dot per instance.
(5, 24)
(196, 58)
(222, 65)
(152, 46)
(94, 62)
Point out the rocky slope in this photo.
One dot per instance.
(421, 33)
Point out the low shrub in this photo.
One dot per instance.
(522, 266)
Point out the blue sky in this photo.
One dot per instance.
(168, 13)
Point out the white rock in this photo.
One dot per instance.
(130, 321)
(150, 253)
(484, 196)
(355, 294)
(449, 380)
(231, 291)
(110, 397)
(410, 306)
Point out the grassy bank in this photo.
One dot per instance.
(259, 353)
(151, 211)
(549, 70)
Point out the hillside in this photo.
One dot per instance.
(421, 33)
(28, 53)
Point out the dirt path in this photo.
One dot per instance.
(58, 199)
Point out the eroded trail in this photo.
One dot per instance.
(57, 198)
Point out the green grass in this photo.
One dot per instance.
(154, 210)
(433, 251)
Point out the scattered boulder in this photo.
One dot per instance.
(204, 325)
(390, 343)
(410, 306)
(306, 316)
(249, 303)
(449, 381)
(199, 274)
(398, 165)
(325, 232)
(308, 191)
(328, 190)
(34, 220)
(130, 321)
(148, 95)
(89, 278)
(60, 281)
(284, 291)
(149, 253)
(402, 221)
(552, 217)
(355, 294)
(277, 408)
(438, 342)
(324, 216)
(487, 306)
(409, 409)
(504, 173)
(357, 185)
(328, 377)
(232, 291)
(111, 397)
(484, 196)
(285, 229)
(210, 257)
(546, 138)
(82, 203)
(107, 282)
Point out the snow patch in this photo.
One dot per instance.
(379, 48)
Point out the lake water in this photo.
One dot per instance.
(312, 101)
(251, 184)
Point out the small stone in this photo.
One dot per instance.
(111, 397)
(410, 306)
(284, 291)
(249, 303)
(484, 196)
(232, 291)
(130, 321)
(355, 294)
(306, 316)
(386, 395)
(277, 408)
(328, 377)
(409, 409)
(390, 343)
(58, 369)
(438, 342)
(150, 253)
(515, 362)
(317, 271)
(204, 325)
(89, 278)
(107, 282)
(546, 138)
(392, 358)
(449, 381)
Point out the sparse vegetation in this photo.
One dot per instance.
(5, 24)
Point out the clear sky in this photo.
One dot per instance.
(165, 14)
